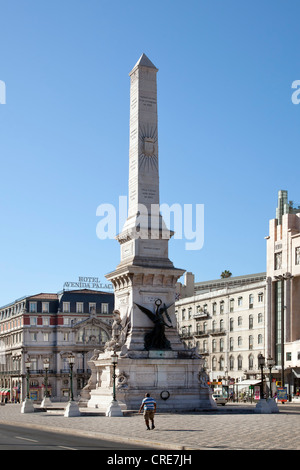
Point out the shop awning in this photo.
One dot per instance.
(4, 391)
(248, 382)
(296, 371)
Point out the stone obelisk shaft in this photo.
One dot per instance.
(143, 145)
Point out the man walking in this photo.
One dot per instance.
(149, 407)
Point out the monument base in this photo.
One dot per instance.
(175, 383)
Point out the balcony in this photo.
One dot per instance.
(217, 331)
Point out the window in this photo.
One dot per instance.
(214, 309)
(222, 306)
(240, 321)
(240, 363)
(66, 336)
(231, 305)
(259, 339)
(240, 341)
(183, 314)
(250, 322)
(46, 337)
(231, 324)
(214, 345)
(79, 307)
(104, 308)
(231, 344)
(250, 362)
(221, 325)
(33, 321)
(250, 342)
(297, 255)
(260, 297)
(45, 307)
(66, 307)
(214, 363)
(92, 307)
(288, 356)
(251, 300)
(214, 325)
(46, 321)
(66, 320)
(221, 344)
(231, 363)
(32, 307)
(260, 318)
(33, 336)
(221, 363)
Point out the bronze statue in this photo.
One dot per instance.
(156, 338)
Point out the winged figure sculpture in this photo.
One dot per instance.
(156, 338)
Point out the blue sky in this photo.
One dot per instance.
(228, 130)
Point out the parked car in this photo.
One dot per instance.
(219, 399)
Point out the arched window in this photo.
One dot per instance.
(250, 362)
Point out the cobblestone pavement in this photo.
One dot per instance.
(233, 427)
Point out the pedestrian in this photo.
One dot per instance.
(149, 407)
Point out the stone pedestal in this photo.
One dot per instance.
(263, 407)
(72, 410)
(46, 402)
(273, 405)
(27, 406)
(174, 381)
(114, 409)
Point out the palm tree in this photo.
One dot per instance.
(225, 274)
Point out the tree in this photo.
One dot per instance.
(225, 274)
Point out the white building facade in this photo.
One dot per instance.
(225, 321)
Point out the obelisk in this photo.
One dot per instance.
(151, 355)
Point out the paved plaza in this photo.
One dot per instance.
(233, 427)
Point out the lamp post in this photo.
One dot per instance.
(27, 365)
(114, 361)
(114, 408)
(72, 408)
(261, 364)
(27, 406)
(46, 400)
(270, 363)
(71, 360)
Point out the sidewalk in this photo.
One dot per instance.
(231, 427)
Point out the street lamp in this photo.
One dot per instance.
(27, 365)
(261, 364)
(27, 406)
(114, 361)
(114, 408)
(46, 400)
(71, 360)
(46, 367)
(72, 408)
(270, 364)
